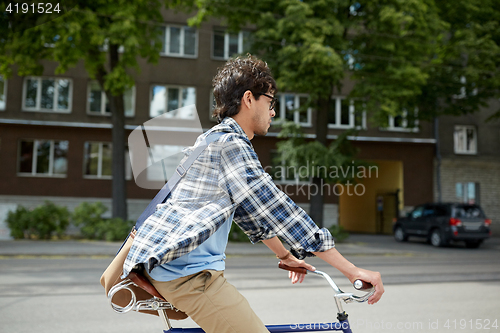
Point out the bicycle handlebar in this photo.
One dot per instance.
(339, 294)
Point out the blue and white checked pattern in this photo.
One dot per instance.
(226, 177)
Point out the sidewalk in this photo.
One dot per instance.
(355, 245)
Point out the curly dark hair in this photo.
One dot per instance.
(234, 78)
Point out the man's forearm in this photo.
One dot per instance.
(334, 258)
(275, 245)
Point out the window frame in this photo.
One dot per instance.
(166, 42)
(455, 143)
(168, 86)
(4, 92)
(352, 114)
(128, 163)
(103, 112)
(226, 43)
(404, 127)
(33, 173)
(281, 113)
(38, 108)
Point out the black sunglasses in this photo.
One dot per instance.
(274, 100)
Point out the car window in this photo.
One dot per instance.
(468, 211)
(440, 211)
(428, 211)
(417, 212)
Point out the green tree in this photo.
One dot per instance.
(312, 45)
(109, 37)
(465, 74)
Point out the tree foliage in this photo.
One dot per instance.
(399, 55)
(109, 37)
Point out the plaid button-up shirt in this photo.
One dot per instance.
(227, 177)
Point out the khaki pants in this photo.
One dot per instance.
(212, 302)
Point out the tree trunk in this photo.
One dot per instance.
(119, 185)
(317, 200)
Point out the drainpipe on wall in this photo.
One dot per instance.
(438, 159)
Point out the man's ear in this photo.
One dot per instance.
(247, 99)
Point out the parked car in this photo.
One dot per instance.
(441, 223)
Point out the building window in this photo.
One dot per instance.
(467, 192)
(225, 44)
(179, 41)
(47, 94)
(281, 173)
(171, 98)
(43, 158)
(289, 108)
(405, 122)
(162, 162)
(342, 114)
(98, 158)
(98, 103)
(3, 92)
(465, 140)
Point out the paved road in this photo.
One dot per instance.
(427, 289)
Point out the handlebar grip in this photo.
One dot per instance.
(293, 269)
(362, 285)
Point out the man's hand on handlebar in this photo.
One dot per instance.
(294, 262)
(372, 277)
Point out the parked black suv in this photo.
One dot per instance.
(444, 222)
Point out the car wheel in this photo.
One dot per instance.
(473, 244)
(400, 235)
(436, 238)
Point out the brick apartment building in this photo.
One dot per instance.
(55, 135)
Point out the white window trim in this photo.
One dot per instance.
(464, 152)
(33, 173)
(4, 92)
(281, 113)
(103, 103)
(182, 40)
(128, 166)
(99, 162)
(352, 120)
(38, 108)
(403, 128)
(166, 98)
(226, 45)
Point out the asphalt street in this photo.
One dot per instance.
(54, 287)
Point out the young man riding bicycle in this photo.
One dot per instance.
(182, 244)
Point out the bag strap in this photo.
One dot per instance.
(180, 171)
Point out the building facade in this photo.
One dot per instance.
(55, 133)
(470, 161)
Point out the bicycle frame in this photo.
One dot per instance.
(160, 305)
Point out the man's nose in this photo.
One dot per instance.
(273, 113)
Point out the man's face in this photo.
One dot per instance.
(262, 114)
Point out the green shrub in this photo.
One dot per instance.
(115, 229)
(43, 222)
(19, 222)
(88, 217)
(338, 233)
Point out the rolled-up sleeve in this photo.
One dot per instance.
(263, 211)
